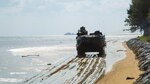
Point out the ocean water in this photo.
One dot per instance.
(22, 58)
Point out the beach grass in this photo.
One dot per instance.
(144, 38)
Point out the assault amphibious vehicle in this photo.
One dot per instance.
(93, 42)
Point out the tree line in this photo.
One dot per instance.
(139, 16)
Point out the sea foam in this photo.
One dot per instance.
(41, 50)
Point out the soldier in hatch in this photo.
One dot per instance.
(82, 31)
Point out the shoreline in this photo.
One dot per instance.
(127, 67)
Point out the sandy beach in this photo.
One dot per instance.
(128, 67)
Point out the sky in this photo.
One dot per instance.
(56, 17)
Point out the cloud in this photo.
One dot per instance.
(64, 15)
(63, 5)
(15, 6)
(76, 6)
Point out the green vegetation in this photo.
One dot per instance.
(139, 16)
(149, 15)
(145, 38)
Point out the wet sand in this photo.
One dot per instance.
(78, 70)
(128, 67)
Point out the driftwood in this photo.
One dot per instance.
(130, 78)
(120, 50)
(30, 55)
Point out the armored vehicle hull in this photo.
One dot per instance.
(90, 43)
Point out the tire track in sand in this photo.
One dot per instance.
(98, 70)
(44, 72)
(92, 70)
(83, 71)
